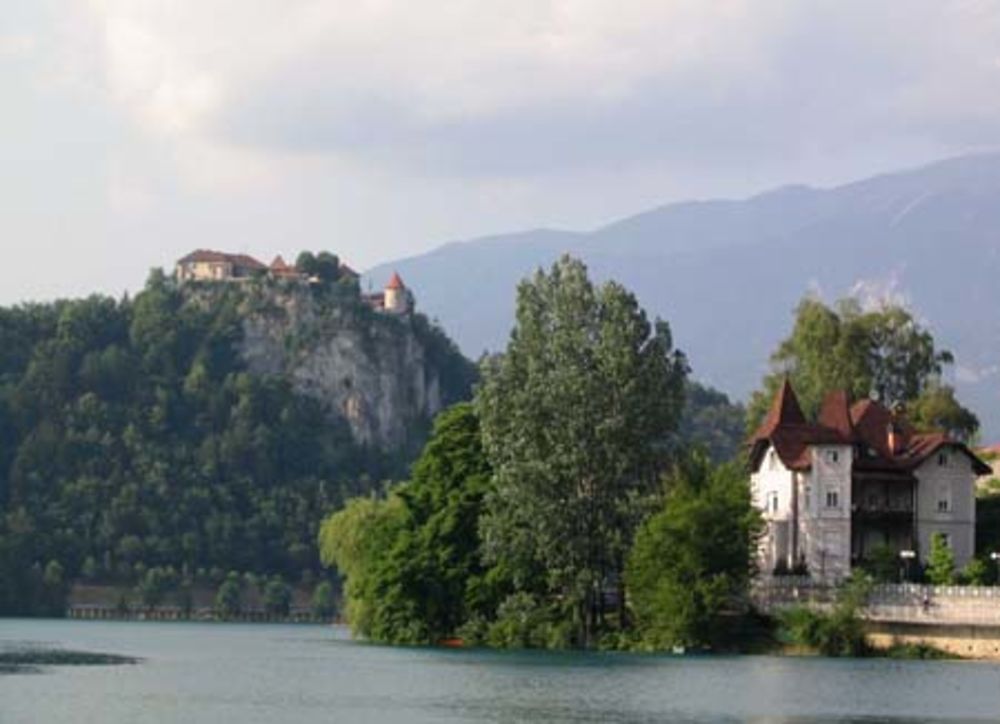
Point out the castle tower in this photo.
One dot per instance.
(397, 296)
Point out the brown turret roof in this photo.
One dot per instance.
(279, 264)
(835, 413)
(395, 282)
(785, 410)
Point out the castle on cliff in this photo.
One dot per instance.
(205, 265)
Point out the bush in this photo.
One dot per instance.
(277, 597)
(941, 562)
(524, 623)
(838, 633)
(229, 598)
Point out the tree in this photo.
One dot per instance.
(940, 562)
(938, 409)
(327, 266)
(575, 418)
(323, 603)
(229, 597)
(693, 559)
(154, 586)
(357, 541)
(277, 597)
(883, 354)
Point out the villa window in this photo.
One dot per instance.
(832, 456)
(773, 502)
(942, 459)
(943, 500)
(832, 499)
(772, 460)
(809, 497)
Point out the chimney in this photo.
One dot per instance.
(893, 438)
(895, 431)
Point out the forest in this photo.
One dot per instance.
(132, 439)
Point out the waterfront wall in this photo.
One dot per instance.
(962, 620)
(972, 642)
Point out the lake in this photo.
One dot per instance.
(220, 673)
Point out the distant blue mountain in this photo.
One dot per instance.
(728, 274)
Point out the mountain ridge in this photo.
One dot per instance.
(727, 273)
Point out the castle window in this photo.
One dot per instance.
(832, 499)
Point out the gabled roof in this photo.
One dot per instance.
(867, 422)
(279, 264)
(208, 255)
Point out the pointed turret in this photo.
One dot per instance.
(836, 413)
(397, 296)
(785, 410)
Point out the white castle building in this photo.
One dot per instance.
(858, 478)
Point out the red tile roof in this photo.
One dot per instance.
(866, 422)
(208, 255)
(395, 282)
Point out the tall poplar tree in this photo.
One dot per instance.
(576, 416)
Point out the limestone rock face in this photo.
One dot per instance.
(374, 370)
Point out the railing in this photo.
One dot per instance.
(897, 602)
(884, 507)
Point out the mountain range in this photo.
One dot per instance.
(727, 274)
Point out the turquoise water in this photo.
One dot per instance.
(217, 674)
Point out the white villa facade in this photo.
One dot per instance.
(858, 478)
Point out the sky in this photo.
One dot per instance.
(133, 131)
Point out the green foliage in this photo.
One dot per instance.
(940, 562)
(693, 560)
(522, 622)
(229, 597)
(420, 582)
(838, 633)
(132, 437)
(357, 540)
(884, 354)
(883, 564)
(576, 415)
(323, 603)
(277, 597)
(712, 422)
(154, 586)
(977, 572)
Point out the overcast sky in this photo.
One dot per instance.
(132, 131)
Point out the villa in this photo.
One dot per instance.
(857, 479)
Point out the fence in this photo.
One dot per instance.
(890, 602)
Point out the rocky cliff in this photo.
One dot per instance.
(386, 375)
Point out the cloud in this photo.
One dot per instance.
(535, 86)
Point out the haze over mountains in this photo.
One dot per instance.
(727, 274)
